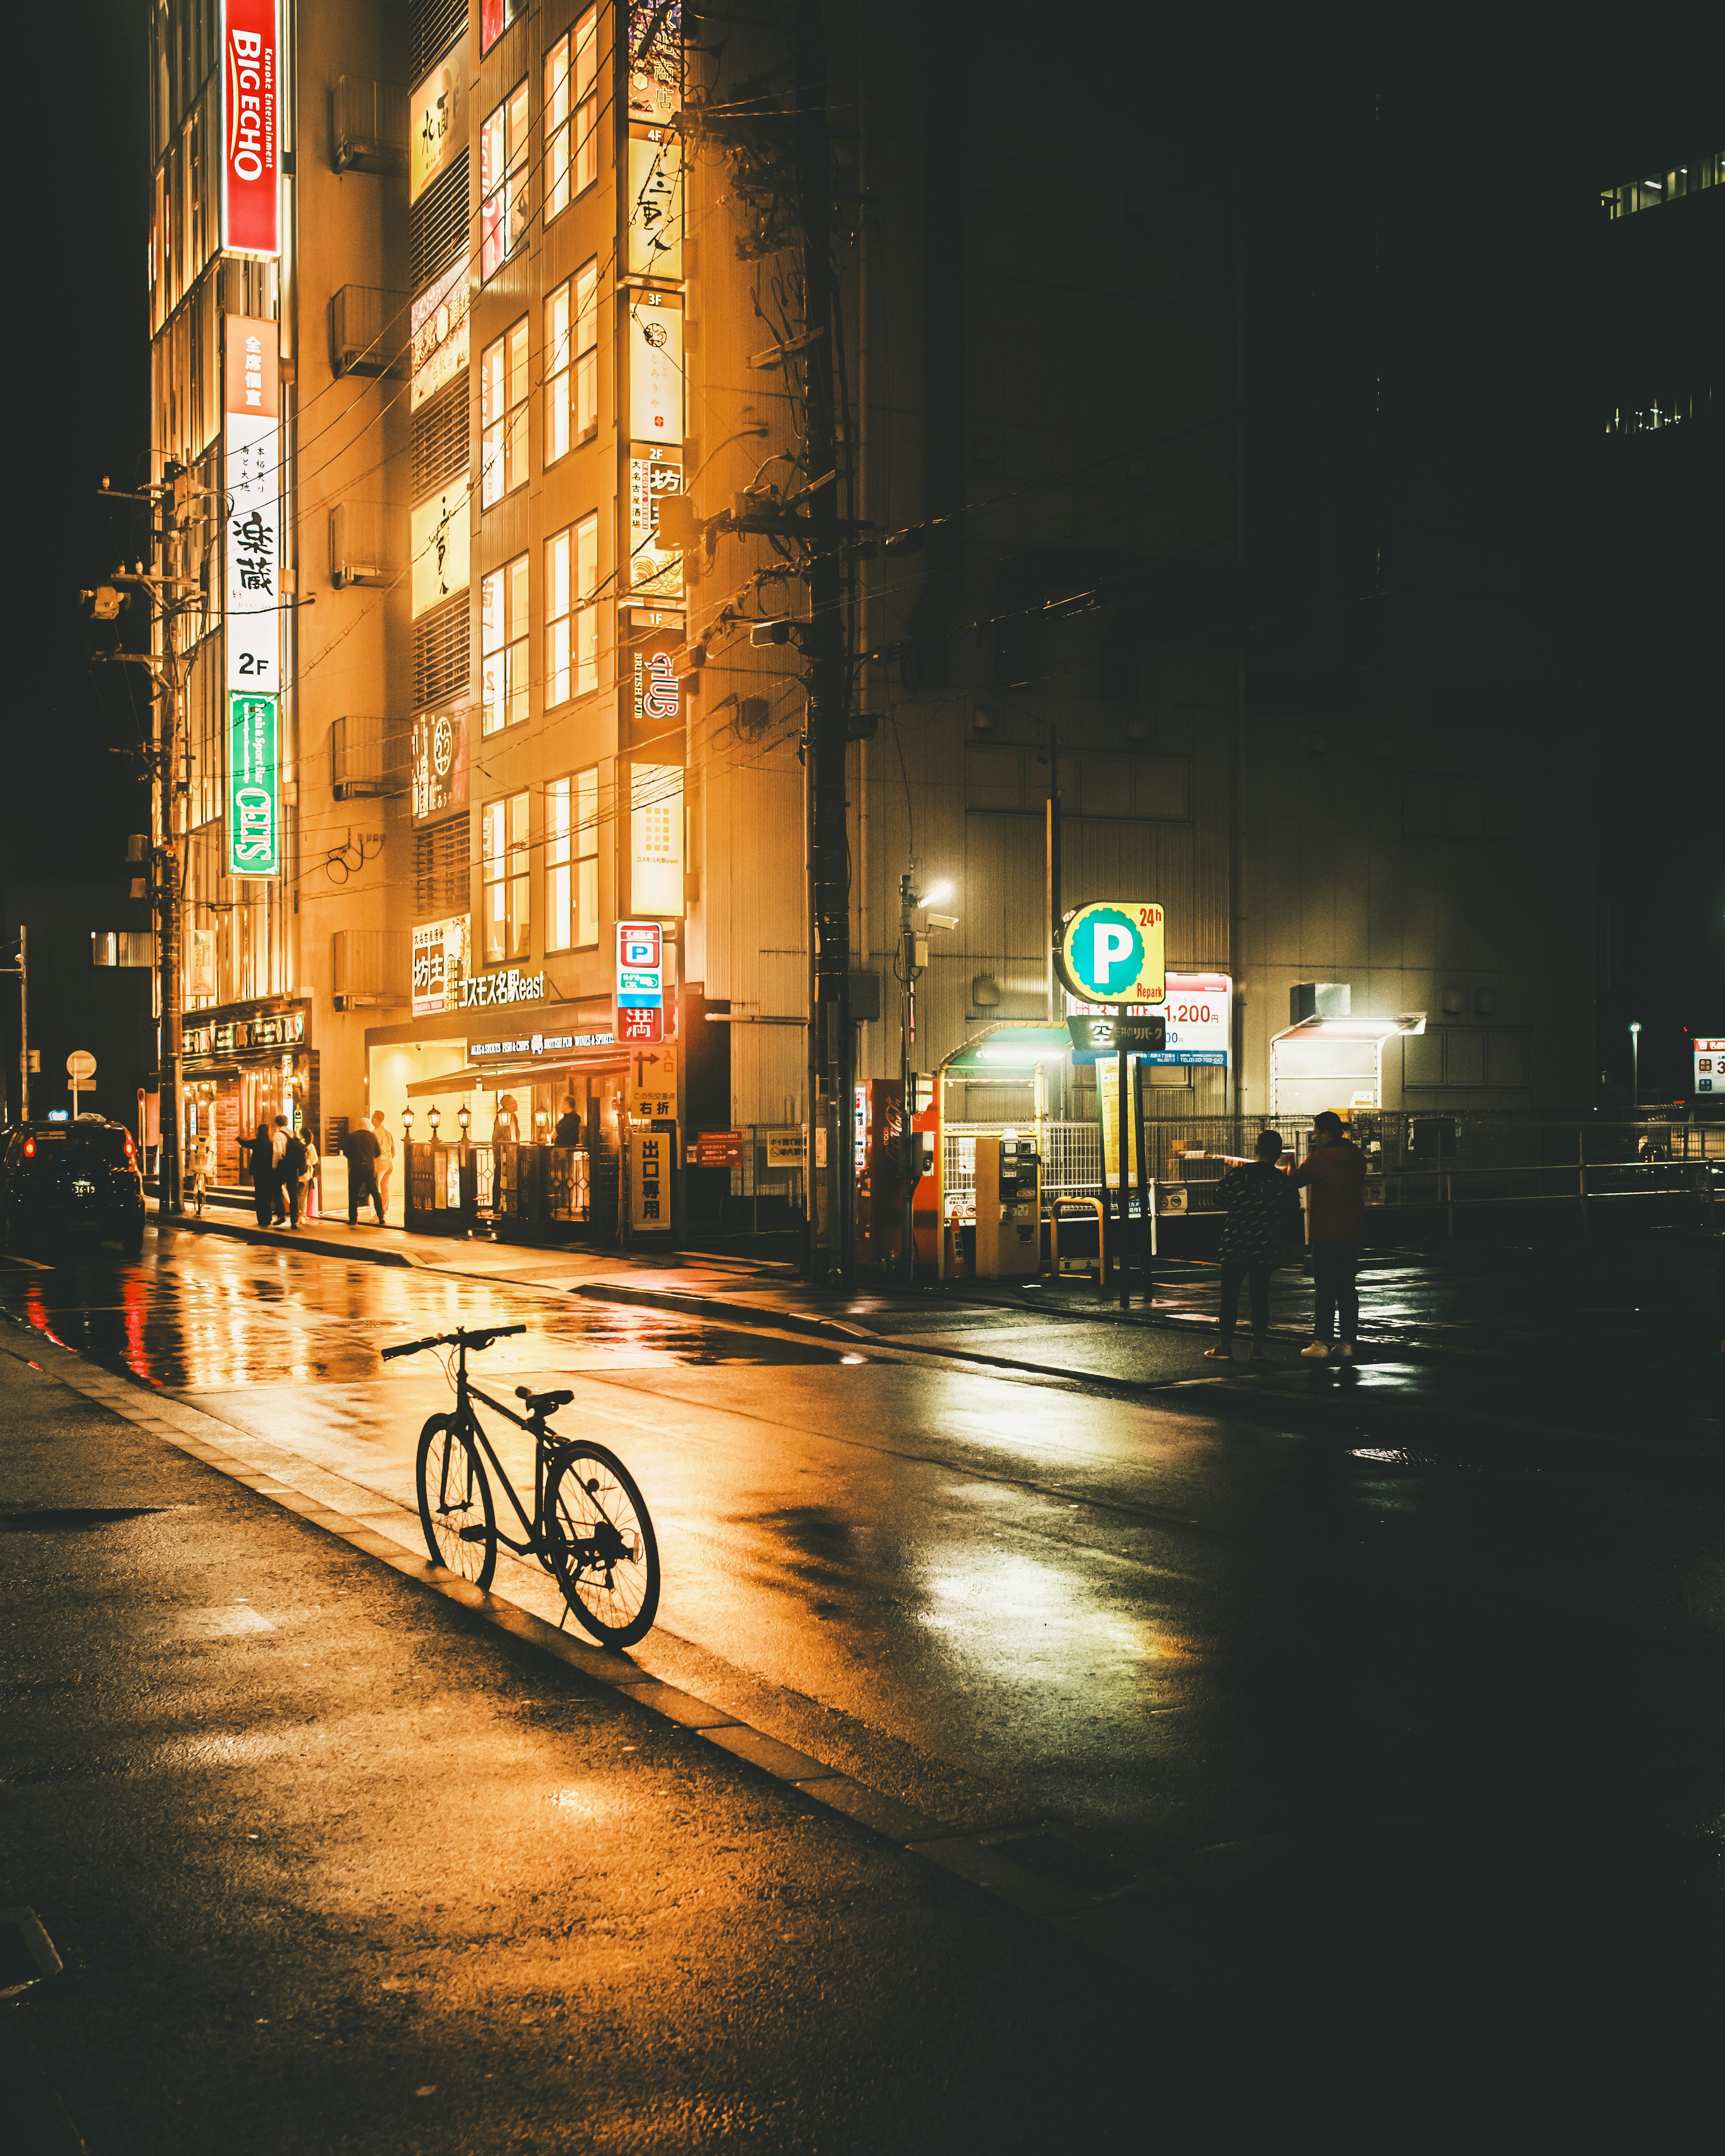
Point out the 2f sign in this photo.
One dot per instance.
(1111, 952)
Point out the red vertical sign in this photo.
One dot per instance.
(251, 128)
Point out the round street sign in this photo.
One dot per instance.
(80, 1064)
(1111, 952)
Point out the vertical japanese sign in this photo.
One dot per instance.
(655, 203)
(251, 452)
(655, 368)
(655, 571)
(640, 982)
(655, 59)
(253, 787)
(656, 839)
(251, 128)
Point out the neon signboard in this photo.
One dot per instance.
(251, 128)
(254, 786)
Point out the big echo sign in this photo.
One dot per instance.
(1111, 952)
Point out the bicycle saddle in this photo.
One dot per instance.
(540, 1404)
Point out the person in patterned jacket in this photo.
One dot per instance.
(1263, 1218)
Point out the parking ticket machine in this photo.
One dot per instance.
(1008, 1207)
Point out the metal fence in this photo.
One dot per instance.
(1416, 1161)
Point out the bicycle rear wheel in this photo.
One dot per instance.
(455, 1509)
(602, 1547)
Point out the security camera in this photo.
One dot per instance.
(941, 920)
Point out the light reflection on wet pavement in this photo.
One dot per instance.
(1002, 1601)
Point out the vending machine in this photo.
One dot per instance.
(877, 1131)
(1008, 1207)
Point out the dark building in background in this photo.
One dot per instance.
(1651, 572)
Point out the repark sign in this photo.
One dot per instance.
(1111, 952)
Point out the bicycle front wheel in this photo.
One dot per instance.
(602, 1547)
(455, 1507)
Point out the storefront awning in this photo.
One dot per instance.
(499, 1077)
(997, 1049)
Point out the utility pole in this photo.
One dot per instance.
(908, 970)
(23, 970)
(832, 1044)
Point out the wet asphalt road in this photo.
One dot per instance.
(1461, 1707)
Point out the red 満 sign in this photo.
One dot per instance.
(251, 128)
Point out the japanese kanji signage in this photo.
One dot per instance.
(655, 571)
(254, 786)
(655, 368)
(655, 187)
(252, 541)
(251, 128)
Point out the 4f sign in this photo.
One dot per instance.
(251, 128)
(1111, 954)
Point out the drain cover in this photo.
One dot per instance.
(1065, 1865)
(53, 1516)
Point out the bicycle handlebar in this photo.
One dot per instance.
(481, 1336)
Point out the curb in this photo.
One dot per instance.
(375, 1254)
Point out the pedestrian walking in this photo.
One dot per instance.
(291, 1168)
(1263, 1218)
(361, 1149)
(1333, 1174)
(308, 1180)
(506, 1130)
(261, 1161)
(568, 1131)
(203, 1169)
(386, 1157)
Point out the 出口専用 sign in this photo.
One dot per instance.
(252, 476)
(251, 128)
(254, 786)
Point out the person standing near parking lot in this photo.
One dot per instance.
(1334, 1175)
(1263, 1218)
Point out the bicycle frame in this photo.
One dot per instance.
(466, 1393)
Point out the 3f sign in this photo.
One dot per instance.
(1111, 952)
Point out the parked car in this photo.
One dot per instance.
(71, 1182)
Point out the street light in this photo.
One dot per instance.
(407, 1124)
(1635, 1062)
(464, 1115)
(436, 1118)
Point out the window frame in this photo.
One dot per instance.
(572, 363)
(503, 184)
(571, 611)
(505, 851)
(506, 619)
(571, 115)
(571, 861)
(503, 434)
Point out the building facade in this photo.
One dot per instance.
(487, 383)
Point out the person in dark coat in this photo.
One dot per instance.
(291, 1168)
(569, 1131)
(362, 1151)
(265, 1184)
(1263, 1218)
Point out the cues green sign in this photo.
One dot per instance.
(254, 786)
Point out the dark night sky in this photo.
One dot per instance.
(1488, 324)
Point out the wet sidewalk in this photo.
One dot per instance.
(1559, 1337)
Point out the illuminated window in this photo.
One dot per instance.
(504, 874)
(503, 646)
(571, 861)
(495, 17)
(503, 414)
(572, 114)
(1671, 185)
(503, 181)
(571, 614)
(571, 354)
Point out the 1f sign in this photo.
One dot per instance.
(253, 787)
(251, 128)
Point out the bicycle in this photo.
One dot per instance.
(589, 1526)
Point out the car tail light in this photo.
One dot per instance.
(131, 1153)
(29, 1148)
